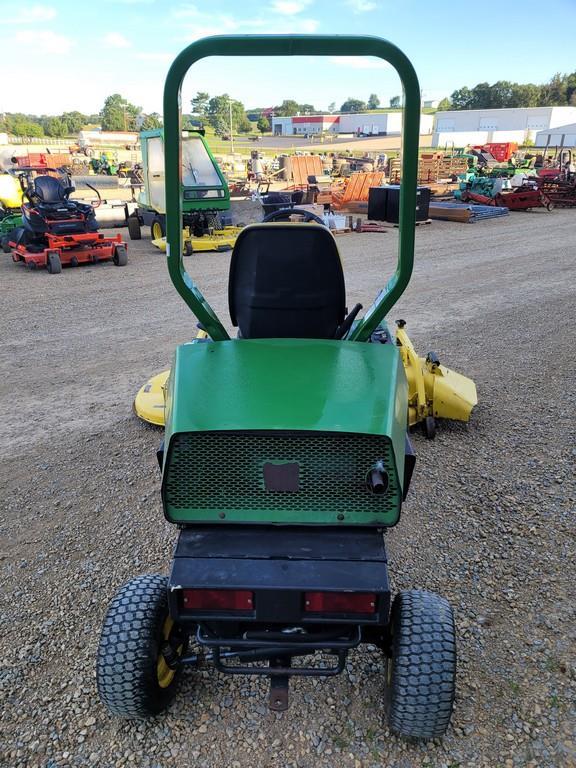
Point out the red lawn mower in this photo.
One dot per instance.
(57, 231)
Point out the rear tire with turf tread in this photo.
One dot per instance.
(134, 229)
(129, 650)
(120, 256)
(422, 670)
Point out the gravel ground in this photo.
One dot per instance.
(488, 521)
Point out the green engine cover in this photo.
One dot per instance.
(284, 431)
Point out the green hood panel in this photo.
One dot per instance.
(238, 409)
(287, 384)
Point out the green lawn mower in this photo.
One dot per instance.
(285, 459)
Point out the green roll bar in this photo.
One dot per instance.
(291, 45)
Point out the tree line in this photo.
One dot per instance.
(117, 114)
(559, 91)
(224, 113)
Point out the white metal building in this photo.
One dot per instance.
(478, 126)
(358, 123)
(559, 136)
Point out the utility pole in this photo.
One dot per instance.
(231, 134)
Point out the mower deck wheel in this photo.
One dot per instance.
(421, 673)
(157, 229)
(53, 263)
(134, 229)
(135, 672)
(429, 426)
(120, 256)
(5, 246)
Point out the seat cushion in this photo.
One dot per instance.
(286, 281)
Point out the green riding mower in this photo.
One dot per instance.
(285, 459)
(204, 190)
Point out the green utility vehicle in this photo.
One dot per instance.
(204, 189)
(285, 459)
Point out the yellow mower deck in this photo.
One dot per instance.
(433, 390)
(219, 240)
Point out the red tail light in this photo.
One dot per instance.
(217, 600)
(340, 602)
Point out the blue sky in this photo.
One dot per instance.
(64, 55)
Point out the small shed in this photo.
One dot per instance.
(560, 136)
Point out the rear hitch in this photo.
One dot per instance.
(278, 698)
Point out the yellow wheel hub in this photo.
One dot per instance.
(164, 673)
(156, 230)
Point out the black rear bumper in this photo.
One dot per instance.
(279, 564)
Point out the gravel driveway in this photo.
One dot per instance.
(488, 523)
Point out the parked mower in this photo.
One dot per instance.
(57, 231)
(285, 458)
(205, 195)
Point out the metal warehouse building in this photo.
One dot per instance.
(359, 123)
(478, 126)
(304, 124)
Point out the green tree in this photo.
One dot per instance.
(218, 114)
(151, 121)
(54, 126)
(527, 95)
(75, 121)
(118, 114)
(353, 105)
(263, 125)
(26, 128)
(200, 103)
(332, 107)
(373, 101)
(444, 104)
(394, 102)
(461, 99)
(501, 94)
(288, 108)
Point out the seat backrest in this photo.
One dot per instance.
(286, 281)
(50, 189)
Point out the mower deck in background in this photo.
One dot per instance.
(56, 231)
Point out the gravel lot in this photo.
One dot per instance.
(488, 523)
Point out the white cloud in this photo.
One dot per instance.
(186, 11)
(154, 56)
(116, 40)
(31, 14)
(44, 41)
(289, 7)
(359, 62)
(361, 6)
(307, 25)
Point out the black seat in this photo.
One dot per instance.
(51, 190)
(286, 281)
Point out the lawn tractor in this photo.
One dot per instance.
(10, 213)
(57, 231)
(204, 192)
(285, 459)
